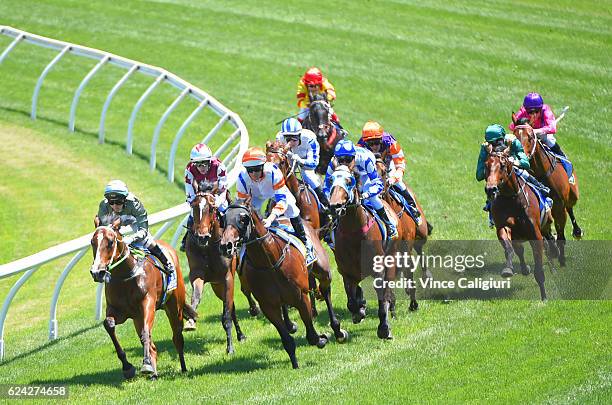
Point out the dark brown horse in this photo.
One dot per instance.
(550, 171)
(276, 273)
(134, 289)
(207, 264)
(516, 213)
(319, 122)
(354, 226)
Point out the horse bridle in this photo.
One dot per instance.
(551, 159)
(106, 272)
(190, 231)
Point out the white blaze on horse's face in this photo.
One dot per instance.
(97, 265)
(202, 206)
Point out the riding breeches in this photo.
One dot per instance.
(548, 139)
(292, 209)
(311, 178)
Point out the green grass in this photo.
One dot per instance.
(434, 73)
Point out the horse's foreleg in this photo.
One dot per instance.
(228, 307)
(505, 239)
(538, 251)
(109, 325)
(246, 291)
(325, 288)
(560, 216)
(520, 252)
(312, 285)
(273, 313)
(418, 247)
(383, 294)
(577, 232)
(196, 296)
(306, 314)
(143, 328)
(352, 303)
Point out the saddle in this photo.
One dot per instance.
(401, 200)
(169, 281)
(567, 165)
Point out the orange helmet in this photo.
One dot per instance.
(313, 76)
(372, 130)
(253, 157)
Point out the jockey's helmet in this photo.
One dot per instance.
(200, 153)
(313, 76)
(533, 101)
(372, 130)
(253, 157)
(116, 190)
(345, 148)
(494, 133)
(291, 128)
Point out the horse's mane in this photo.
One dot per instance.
(522, 121)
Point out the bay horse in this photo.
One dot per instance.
(516, 213)
(134, 289)
(354, 226)
(306, 202)
(275, 270)
(550, 171)
(422, 231)
(319, 122)
(207, 264)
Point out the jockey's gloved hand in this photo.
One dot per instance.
(128, 240)
(294, 157)
(268, 221)
(391, 180)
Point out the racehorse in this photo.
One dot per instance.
(275, 270)
(516, 213)
(549, 170)
(307, 203)
(328, 135)
(355, 225)
(422, 231)
(134, 289)
(207, 264)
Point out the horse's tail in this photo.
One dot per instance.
(189, 312)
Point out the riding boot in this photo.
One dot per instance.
(412, 203)
(165, 260)
(188, 226)
(323, 198)
(300, 232)
(557, 149)
(183, 242)
(487, 208)
(391, 229)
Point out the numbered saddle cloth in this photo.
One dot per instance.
(282, 231)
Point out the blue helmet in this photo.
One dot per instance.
(291, 126)
(345, 148)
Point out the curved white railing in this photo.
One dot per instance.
(239, 138)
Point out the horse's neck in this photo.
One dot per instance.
(264, 252)
(543, 162)
(511, 185)
(125, 269)
(355, 219)
(292, 183)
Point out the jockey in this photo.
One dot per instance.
(262, 180)
(310, 84)
(361, 161)
(541, 119)
(304, 149)
(204, 167)
(119, 201)
(496, 135)
(374, 138)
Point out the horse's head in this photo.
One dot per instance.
(107, 247)
(319, 116)
(343, 190)
(498, 169)
(276, 152)
(238, 228)
(524, 133)
(204, 215)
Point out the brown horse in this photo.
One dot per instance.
(207, 264)
(134, 289)
(354, 226)
(549, 170)
(516, 213)
(276, 272)
(422, 231)
(319, 122)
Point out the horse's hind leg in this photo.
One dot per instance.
(246, 291)
(312, 285)
(353, 304)
(225, 293)
(129, 371)
(325, 287)
(197, 286)
(239, 334)
(273, 313)
(538, 252)
(174, 311)
(289, 324)
(519, 249)
(560, 216)
(577, 232)
(506, 242)
(303, 306)
(418, 247)
(143, 328)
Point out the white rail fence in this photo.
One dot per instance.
(237, 141)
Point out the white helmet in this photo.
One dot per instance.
(200, 153)
(116, 189)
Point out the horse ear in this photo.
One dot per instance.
(97, 221)
(489, 148)
(196, 187)
(116, 223)
(268, 145)
(513, 118)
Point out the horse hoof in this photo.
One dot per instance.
(229, 350)
(322, 342)
(413, 306)
(292, 327)
(147, 369)
(507, 272)
(525, 271)
(254, 311)
(130, 372)
(577, 233)
(384, 333)
(357, 318)
(153, 377)
(344, 335)
(190, 325)
(242, 338)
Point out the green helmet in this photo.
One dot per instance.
(494, 132)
